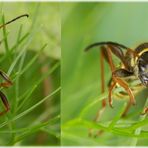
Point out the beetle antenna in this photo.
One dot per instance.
(105, 43)
(24, 15)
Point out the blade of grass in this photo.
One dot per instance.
(136, 125)
(17, 84)
(5, 36)
(32, 130)
(57, 135)
(19, 69)
(15, 103)
(117, 117)
(19, 42)
(31, 108)
(33, 31)
(8, 53)
(35, 85)
(98, 99)
(115, 131)
(3, 39)
(19, 34)
(31, 61)
(32, 34)
(15, 46)
(138, 129)
(5, 55)
(31, 127)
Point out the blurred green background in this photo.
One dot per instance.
(30, 55)
(83, 24)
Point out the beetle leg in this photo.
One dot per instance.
(105, 54)
(102, 56)
(126, 109)
(6, 78)
(116, 74)
(5, 102)
(2, 96)
(110, 94)
(100, 111)
(125, 86)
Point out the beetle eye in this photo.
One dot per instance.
(143, 69)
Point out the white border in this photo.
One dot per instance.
(73, 146)
(74, 1)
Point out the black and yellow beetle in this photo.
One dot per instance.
(133, 66)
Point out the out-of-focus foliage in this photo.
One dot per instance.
(47, 18)
(30, 55)
(83, 24)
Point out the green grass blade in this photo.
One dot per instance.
(35, 86)
(5, 36)
(138, 129)
(89, 106)
(31, 108)
(54, 119)
(19, 42)
(32, 60)
(30, 130)
(117, 117)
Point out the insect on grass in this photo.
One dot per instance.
(4, 76)
(133, 67)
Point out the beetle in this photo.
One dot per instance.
(4, 76)
(133, 66)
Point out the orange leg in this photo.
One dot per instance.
(125, 86)
(6, 78)
(102, 85)
(126, 109)
(119, 80)
(100, 111)
(102, 56)
(5, 102)
(105, 54)
(116, 79)
(2, 96)
(110, 94)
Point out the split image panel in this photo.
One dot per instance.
(52, 89)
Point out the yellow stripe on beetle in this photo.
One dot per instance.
(138, 55)
(143, 51)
